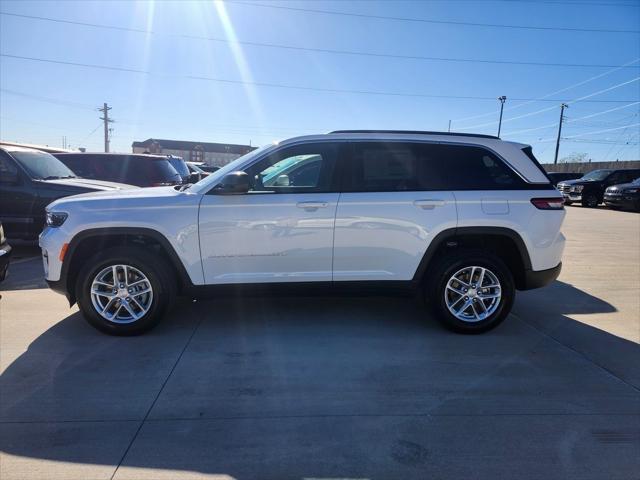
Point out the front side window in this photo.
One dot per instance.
(7, 167)
(298, 169)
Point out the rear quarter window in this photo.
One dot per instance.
(462, 167)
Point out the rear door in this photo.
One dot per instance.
(388, 212)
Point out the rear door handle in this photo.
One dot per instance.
(312, 205)
(429, 203)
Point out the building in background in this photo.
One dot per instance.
(216, 154)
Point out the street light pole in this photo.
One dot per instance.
(502, 99)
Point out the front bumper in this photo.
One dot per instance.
(5, 256)
(622, 201)
(572, 197)
(540, 278)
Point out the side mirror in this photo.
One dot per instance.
(9, 177)
(234, 183)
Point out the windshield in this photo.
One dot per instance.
(42, 165)
(179, 165)
(204, 184)
(597, 175)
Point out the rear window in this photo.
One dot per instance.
(528, 151)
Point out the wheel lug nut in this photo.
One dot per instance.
(466, 298)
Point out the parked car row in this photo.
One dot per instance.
(616, 188)
(31, 179)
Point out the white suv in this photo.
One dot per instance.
(463, 219)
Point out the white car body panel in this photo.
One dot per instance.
(384, 235)
(171, 213)
(512, 209)
(259, 238)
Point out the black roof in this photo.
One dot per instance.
(420, 132)
(187, 145)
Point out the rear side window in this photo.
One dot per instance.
(398, 166)
(382, 167)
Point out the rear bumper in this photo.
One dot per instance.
(540, 278)
(5, 256)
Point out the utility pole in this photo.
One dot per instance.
(562, 107)
(449, 126)
(502, 99)
(105, 111)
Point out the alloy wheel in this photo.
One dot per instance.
(473, 294)
(121, 294)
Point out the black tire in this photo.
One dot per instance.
(455, 261)
(590, 200)
(156, 270)
(568, 202)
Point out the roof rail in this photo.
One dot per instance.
(420, 132)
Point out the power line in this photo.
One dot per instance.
(603, 131)
(562, 90)
(570, 102)
(320, 50)
(47, 99)
(280, 85)
(431, 21)
(570, 120)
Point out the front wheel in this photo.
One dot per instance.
(471, 291)
(590, 201)
(124, 291)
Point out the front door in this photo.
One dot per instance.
(282, 229)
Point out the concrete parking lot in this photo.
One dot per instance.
(363, 388)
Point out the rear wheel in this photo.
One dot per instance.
(471, 291)
(125, 291)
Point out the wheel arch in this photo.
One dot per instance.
(504, 242)
(88, 242)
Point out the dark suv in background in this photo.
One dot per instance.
(134, 169)
(589, 190)
(626, 195)
(29, 181)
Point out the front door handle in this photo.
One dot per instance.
(429, 203)
(312, 205)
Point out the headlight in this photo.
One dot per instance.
(2, 239)
(631, 190)
(577, 188)
(56, 219)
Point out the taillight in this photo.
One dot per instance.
(554, 203)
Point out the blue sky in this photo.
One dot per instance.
(40, 102)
